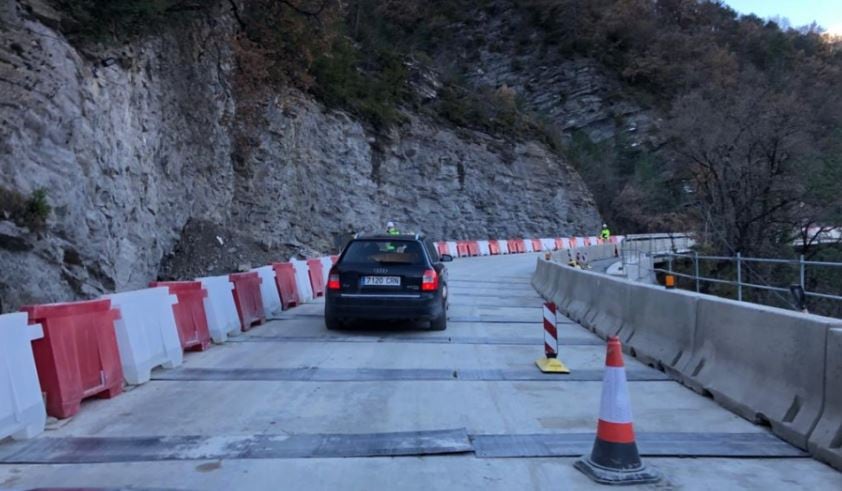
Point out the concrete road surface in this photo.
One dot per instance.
(289, 405)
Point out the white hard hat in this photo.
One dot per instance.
(390, 224)
(605, 225)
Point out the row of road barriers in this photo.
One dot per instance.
(472, 248)
(768, 365)
(53, 356)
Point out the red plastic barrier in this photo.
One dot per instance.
(512, 244)
(442, 249)
(333, 259)
(520, 246)
(494, 247)
(560, 244)
(285, 281)
(317, 277)
(78, 357)
(588, 242)
(537, 246)
(473, 248)
(190, 317)
(462, 249)
(248, 300)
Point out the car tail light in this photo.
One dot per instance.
(430, 282)
(333, 281)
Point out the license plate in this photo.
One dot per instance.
(381, 281)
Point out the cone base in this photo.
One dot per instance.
(552, 365)
(604, 475)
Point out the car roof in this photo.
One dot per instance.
(390, 237)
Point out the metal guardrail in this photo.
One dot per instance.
(641, 254)
(741, 263)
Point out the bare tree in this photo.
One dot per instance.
(742, 149)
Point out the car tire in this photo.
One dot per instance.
(332, 323)
(440, 322)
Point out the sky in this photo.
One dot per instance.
(827, 13)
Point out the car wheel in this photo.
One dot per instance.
(440, 322)
(332, 323)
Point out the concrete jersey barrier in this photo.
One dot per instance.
(766, 364)
(826, 440)
(763, 363)
(660, 327)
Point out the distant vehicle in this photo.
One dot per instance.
(388, 277)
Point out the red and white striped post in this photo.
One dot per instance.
(550, 331)
(614, 458)
(550, 363)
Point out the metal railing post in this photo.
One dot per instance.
(739, 278)
(696, 268)
(802, 272)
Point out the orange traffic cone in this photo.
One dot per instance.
(615, 459)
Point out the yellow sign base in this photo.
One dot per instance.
(552, 365)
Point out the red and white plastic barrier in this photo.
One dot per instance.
(220, 309)
(548, 244)
(268, 290)
(286, 284)
(147, 336)
(327, 263)
(78, 356)
(527, 246)
(484, 250)
(302, 280)
(22, 412)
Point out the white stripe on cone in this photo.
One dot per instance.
(615, 406)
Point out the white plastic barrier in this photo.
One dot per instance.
(220, 309)
(451, 247)
(548, 244)
(22, 413)
(527, 244)
(327, 263)
(504, 246)
(483, 248)
(269, 290)
(302, 280)
(147, 336)
(580, 242)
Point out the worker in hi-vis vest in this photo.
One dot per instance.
(606, 232)
(391, 229)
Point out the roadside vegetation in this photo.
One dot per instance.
(30, 211)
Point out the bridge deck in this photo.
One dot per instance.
(273, 408)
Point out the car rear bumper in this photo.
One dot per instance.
(423, 306)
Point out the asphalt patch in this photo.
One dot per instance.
(95, 450)
(315, 374)
(92, 450)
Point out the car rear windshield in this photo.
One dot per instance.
(384, 252)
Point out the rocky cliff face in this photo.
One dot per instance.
(134, 146)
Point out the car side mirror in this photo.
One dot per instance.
(446, 258)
